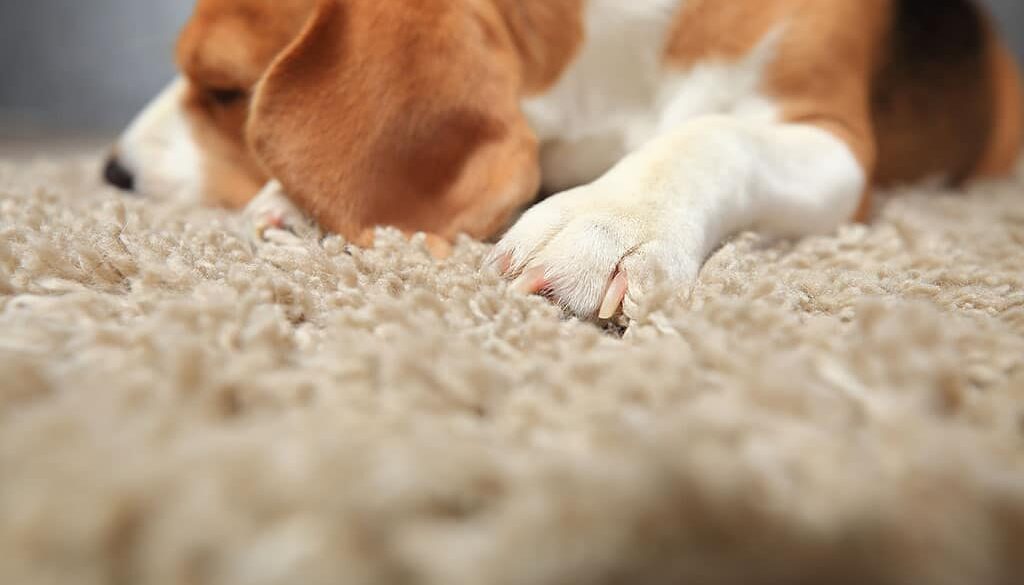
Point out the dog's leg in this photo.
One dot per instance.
(656, 215)
(273, 218)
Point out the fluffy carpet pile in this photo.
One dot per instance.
(178, 407)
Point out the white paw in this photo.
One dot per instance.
(600, 247)
(273, 218)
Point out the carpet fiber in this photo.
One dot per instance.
(177, 407)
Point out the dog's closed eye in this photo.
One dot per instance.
(225, 96)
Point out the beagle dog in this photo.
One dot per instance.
(662, 126)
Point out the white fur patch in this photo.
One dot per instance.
(159, 149)
(605, 104)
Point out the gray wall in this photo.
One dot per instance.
(85, 66)
(82, 66)
(1010, 14)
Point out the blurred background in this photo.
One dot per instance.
(80, 69)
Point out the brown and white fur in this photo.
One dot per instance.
(663, 126)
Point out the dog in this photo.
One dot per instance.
(661, 126)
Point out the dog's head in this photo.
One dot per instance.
(369, 112)
(191, 139)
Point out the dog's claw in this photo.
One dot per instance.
(275, 219)
(614, 297)
(499, 263)
(531, 281)
(267, 222)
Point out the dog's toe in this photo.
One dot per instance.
(594, 255)
(273, 219)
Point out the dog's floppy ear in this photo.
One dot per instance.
(399, 113)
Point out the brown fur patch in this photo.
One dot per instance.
(548, 34)
(711, 29)
(933, 103)
(231, 174)
(226, 46)
(395, 114)
(1005, 141)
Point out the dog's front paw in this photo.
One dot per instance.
(596, 248)
(272, 218)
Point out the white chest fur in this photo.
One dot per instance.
(618, 95)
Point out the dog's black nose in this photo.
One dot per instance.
(118, 176)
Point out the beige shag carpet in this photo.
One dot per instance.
(177, 407)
